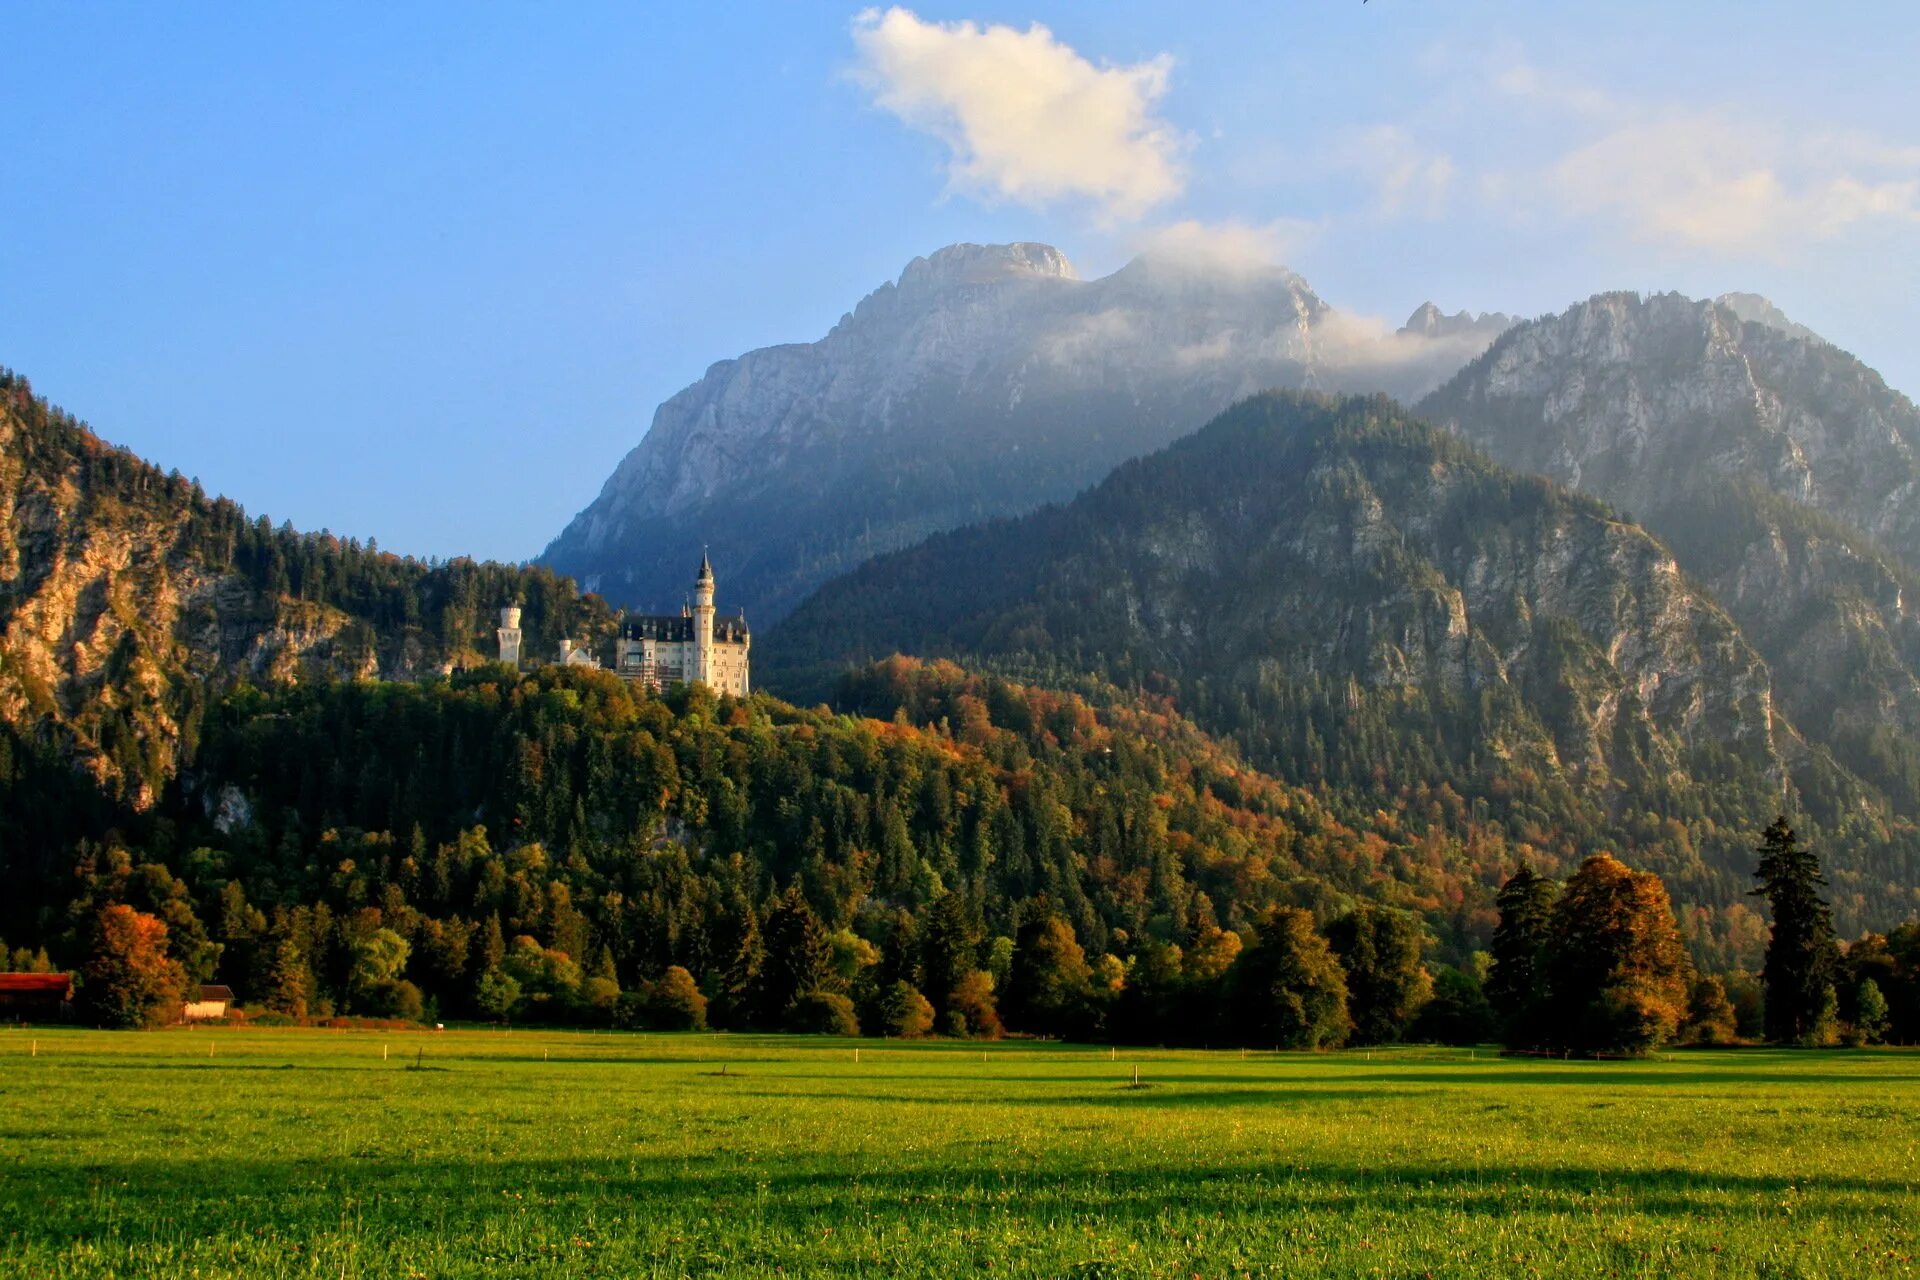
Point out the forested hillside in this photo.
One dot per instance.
(328, 828)
(1370, 607)
(129, 599)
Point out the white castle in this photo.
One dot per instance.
(658, 651)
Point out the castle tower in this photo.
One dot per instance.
(703, 623)
(509, 634)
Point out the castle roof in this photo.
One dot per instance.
(680, 627)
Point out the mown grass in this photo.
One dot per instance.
(304, 1153)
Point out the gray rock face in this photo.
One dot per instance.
(986, 381)
(1782, 471)
(1641, 400)
(1754, 309)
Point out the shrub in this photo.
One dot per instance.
(823, 1013)
(600, 995)
(1710, 1015)
(674, 1002)
(904, 1012)
(971, 1001)
(496, 995)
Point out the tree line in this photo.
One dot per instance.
(562, 847)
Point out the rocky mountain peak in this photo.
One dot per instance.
(986, 380)
(961, 266)
(1429, 321)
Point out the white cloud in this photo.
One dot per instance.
(1024, 116)
(1229, 244)
(1705, 177)
(1701, 181)
(1409, 179)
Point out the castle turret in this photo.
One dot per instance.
(509, 634)
(703, 623)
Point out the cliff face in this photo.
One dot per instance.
(1782, 472)
(985, 381)
(128, 599)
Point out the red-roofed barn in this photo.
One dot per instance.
(27, 996)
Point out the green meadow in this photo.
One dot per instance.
(484, 1153)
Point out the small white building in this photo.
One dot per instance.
(210, 1006)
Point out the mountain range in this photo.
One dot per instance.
(1634, 576)
(985, 381)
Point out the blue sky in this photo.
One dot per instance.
(422, 272)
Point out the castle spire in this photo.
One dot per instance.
(703, 622)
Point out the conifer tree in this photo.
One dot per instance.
(1802, 957)
(1516, 985)
(799, 957)
(287, 981)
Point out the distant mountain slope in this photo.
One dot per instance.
(1782, 471)
(1356, 598)
(129, 599)
(986, 381)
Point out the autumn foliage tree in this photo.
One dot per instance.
(1049, 982)
(1617, 972)
(129, 979)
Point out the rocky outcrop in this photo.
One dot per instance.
(1429, 321)
(987, 380)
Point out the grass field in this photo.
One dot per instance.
(308, 1153)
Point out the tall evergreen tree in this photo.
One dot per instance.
(949, 948)
(1802, 956)
(799, 958)
(1516, 986)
